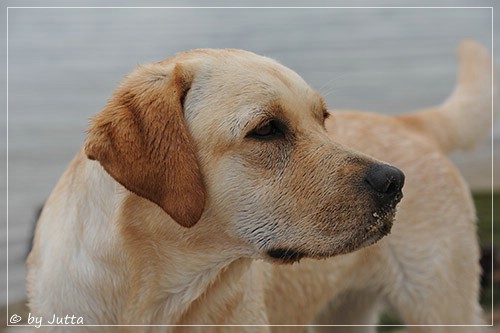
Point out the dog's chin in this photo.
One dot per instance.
(378, 226)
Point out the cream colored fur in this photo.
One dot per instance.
(114, 257)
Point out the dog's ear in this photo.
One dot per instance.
(142, 140)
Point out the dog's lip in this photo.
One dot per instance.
(290, 256)
(285, 255)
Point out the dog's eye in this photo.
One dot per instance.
(264, 130)
(326, 115)
(267, 130)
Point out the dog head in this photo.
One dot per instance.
(233, 138)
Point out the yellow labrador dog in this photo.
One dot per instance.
(213, 181)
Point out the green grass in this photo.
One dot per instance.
(485, 230)
(483, 211)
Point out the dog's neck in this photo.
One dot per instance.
(167, 293)
(170, 269)
(171, 284)
(204, 297)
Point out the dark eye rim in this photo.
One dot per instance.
(276, 130)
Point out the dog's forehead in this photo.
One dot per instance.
(232, 82)
(258, 74)
(242, 72)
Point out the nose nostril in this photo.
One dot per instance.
(384, 179)
(391, 188)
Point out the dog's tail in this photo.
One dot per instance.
(465, 117)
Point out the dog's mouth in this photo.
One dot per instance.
(286, 256)
(378, 226)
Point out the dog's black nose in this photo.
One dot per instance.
(385, 179)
